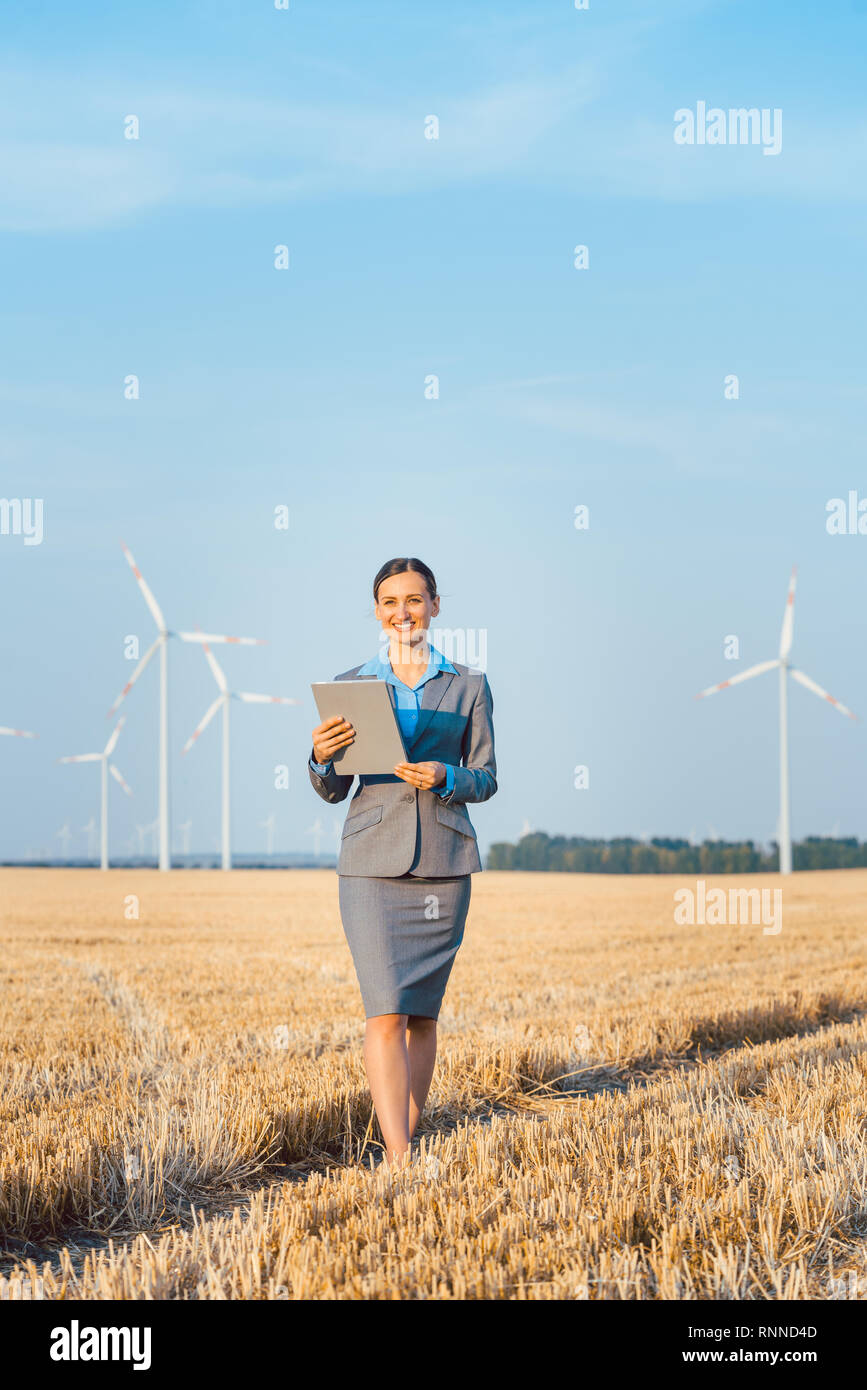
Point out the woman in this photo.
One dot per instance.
(408, 846)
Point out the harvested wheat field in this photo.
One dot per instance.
(623, 1108)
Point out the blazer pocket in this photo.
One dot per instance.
(361, 820)
(456, 820)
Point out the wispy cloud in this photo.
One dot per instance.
(211, 149)
(696, 442)
(600, 126)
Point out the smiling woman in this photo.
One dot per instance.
(406, 856)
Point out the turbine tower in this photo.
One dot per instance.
(223, 701)
(781, 661)
(162, 642)
(107, 767)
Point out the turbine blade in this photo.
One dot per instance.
(82, 758)
(216, 668)
(741, 676)
(264, 699)
(117, 777)
(113, 737)
(218, 637)
(136, 673)
(18, 733)
(788, 617)
(149, 599)
(817, 690)
(203, 723)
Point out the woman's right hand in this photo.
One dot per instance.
(329, 737)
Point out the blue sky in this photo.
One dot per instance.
(305, 387)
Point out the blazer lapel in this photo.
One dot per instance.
(431, 698)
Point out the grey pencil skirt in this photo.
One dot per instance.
(404, 934)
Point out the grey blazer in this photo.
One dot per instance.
(392, 827)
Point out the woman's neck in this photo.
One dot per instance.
(404, 656)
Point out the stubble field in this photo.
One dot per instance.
(623, 1108)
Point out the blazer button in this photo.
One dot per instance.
(407, 797)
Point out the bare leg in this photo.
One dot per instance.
(421, 1046)
(387, 1063)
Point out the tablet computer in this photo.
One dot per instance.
(367, 706)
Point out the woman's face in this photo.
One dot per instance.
(404, 607)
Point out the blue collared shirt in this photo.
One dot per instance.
(407, 699)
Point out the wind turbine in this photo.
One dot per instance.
(90, 831)
(782, 662)
(64, 835)
(268, 825)
(162, 642)
(107, 767)
(185, 832)
(223, 700)
(316, 830)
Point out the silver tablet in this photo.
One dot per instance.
(378, 744)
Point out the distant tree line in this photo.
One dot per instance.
(577, 855)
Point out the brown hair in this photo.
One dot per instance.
(400, 565)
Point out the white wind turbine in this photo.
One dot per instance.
(268, 826)
(223, 701)
(317, 831)
(162, 642)
(185, 835)
(142, 832)
(90, 832)
(107, 767)
(64, 835)
(782, 662)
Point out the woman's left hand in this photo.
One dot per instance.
(423, 775)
